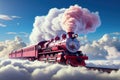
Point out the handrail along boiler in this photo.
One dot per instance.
(64, 51)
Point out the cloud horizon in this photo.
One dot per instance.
(27, 70)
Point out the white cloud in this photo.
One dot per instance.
(106, 47)
(11, 33)
(116, 33)
(22, 34)
(25, 34)
(113, 53)
(5, 17)
(83, 39)
(15, 17)
(2, 25)
(9, 45)
(26, 70)
(10, 72)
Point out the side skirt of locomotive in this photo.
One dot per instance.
(60, 57)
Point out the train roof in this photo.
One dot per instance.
(28, 46)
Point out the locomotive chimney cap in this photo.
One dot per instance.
(63, 36)
(70, 34)
(57, 38)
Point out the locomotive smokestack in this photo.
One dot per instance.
(70, 34)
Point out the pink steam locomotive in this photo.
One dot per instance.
(64, 50)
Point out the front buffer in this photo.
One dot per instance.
(75, 60)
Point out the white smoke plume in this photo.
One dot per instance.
(59, 21)
(26, 70)
(9, 45)
(47, 27)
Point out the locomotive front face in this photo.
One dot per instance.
(72, 45)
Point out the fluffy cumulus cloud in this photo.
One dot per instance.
(26, 70)
(106, 47)
(7, 17)
(9, 45)
(59, 21)
(2, 25)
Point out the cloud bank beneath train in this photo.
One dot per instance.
(106, 48)
(26, 70)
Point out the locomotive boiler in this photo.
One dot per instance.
(64, 50)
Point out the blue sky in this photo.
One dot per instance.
(23, 12)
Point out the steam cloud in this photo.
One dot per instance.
(59, 21)
(26, 70)
(80, 20)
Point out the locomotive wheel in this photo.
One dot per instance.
(68, 62)
(47, 59)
